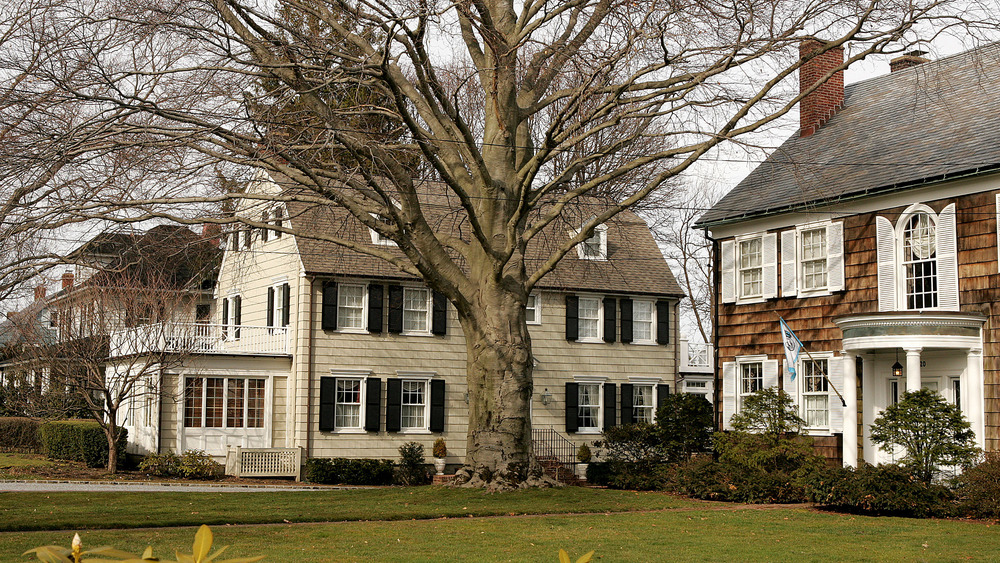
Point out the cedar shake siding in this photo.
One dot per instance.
(752, 329)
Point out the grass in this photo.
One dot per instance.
(8, 461)
(679, 535)
(74, 511)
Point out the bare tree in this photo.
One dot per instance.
(172, 87)
(102, 344)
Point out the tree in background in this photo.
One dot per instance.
(686, 423)
(932, 432)
(567, 98)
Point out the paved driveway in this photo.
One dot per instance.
(97, 486)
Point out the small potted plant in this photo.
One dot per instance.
(583, 456)
(439, 451)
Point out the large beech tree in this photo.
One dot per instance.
(524, 111)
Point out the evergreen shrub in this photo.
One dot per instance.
(979, 489)
(19, 434)
(79, 440)
(884, 490)
(344, 471)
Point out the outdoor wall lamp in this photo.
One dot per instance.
(546, 397)
(897, 368)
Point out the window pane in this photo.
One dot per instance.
(350, 306)
(589, 407)
(589, 315)
(255, 403)
(347, 411)
(751, 378)
(234, 403)
(816, 410)
(642, 403)
(192, 402)
(531, 309)
(642, 320)
(920, 262)
(414, 393)
(415, 310)
(214, 401)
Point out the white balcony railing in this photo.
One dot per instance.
(696, 358)
(197, 338)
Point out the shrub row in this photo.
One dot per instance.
(79, 440)
(343, 471)
(19, 434)
(192, 464)
(884, 490)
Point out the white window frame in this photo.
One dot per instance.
(901, 274)
(278, 307)
(742, 297)
(337, 403)
(364, 307)
(600, 237)
(534, 305)
(225, 401)
(425, 381)
(599, 382)
(229, 321)
(652, 322)
(428, 310)
(802, 394)
(651, 408)
(600, 319)
(740, 362)
(801, 259)
(362, 376)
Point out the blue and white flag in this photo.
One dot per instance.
(792, 347)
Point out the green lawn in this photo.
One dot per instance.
(23, 460)
(677, 535)
(74, 511)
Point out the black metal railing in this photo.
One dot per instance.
(551, 447)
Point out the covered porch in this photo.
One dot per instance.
(941, 351)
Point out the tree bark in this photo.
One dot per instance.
(499, 370)
(111, 432)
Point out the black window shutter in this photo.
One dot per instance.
(375, 308)
(395, 309)
(235, 240)
(609, 405)
(277, 221)
(662, 392)
(437, 405)
(237, 315)
(572, 407)
(393, 404)
(225, 317)
(270, 306)
(327, 402)
(373, 402)
(610, 321)
(627, 406)
(439, 315)
(663, 322)
(263, 232)
(572, 319)
(626, 308)
(286, 304)
(329, 321)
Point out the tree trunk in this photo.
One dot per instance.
(499, 363)
(110, 432)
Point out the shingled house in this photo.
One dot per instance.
(340, 354)
(873, 233)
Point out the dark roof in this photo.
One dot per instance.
(634, 265)
(936, 121)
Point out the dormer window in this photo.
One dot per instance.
(377, 237)
(596, 246)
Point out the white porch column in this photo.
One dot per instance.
(913, 369)
(850, 392)
(973, 404)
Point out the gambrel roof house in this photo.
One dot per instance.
(327, 349)
(873, 233)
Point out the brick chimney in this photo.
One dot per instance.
(67, 280)
(39, 293)
(911, 59)
(212, 232)
(818, 107)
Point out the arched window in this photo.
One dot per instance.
(919, 260)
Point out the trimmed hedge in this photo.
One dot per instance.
(192, 464)
(344, 471)
(884, 490)
(19, 434)
(79, 440)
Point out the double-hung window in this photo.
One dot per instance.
(533, 310)
(589, 407)
(351, 306)
(347, 408)
(751, 380)
(643, 319)
(642, 403)
(590, 318)
(815, 393)
(413, 407)
(278, 305)
(232, 316)
(416, 310)
(750, 268)
(814, 259)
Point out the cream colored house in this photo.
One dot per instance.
(339, 354)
